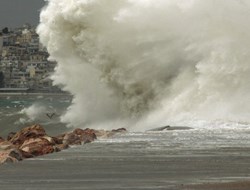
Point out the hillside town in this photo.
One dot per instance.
(24, 64)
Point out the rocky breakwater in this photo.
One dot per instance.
(33, 141)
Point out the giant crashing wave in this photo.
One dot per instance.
(150, 62)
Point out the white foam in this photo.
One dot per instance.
(157, 62)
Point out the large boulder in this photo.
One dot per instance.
(35, 131)
(77, 137)
(37, 146)
(72, 139)
(86, 135)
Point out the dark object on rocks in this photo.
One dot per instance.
(160, 128)
(175, 128)
(120, 130)
(170, 128)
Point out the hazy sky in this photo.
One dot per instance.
(14, 13)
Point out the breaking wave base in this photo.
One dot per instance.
(144, 63)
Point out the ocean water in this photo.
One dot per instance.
(170, 159)
(18, 111)
(140, 64)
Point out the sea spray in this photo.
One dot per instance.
(151, 62)
(34, 111)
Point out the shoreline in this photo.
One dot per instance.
(128, 161)
(34, 141)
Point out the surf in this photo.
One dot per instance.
(150, 63)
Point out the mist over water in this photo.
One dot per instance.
(147, 63)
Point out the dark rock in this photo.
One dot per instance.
(79, 131)
(34, 131)
(60, 147)
(120, 130)
(10, 135)
(159, 128)
(86, 135)
(170, 128)
(72, 139)
(59, 139)
(26, 154)
(15, 153)
(10, 156)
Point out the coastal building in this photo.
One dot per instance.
(24, 61)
